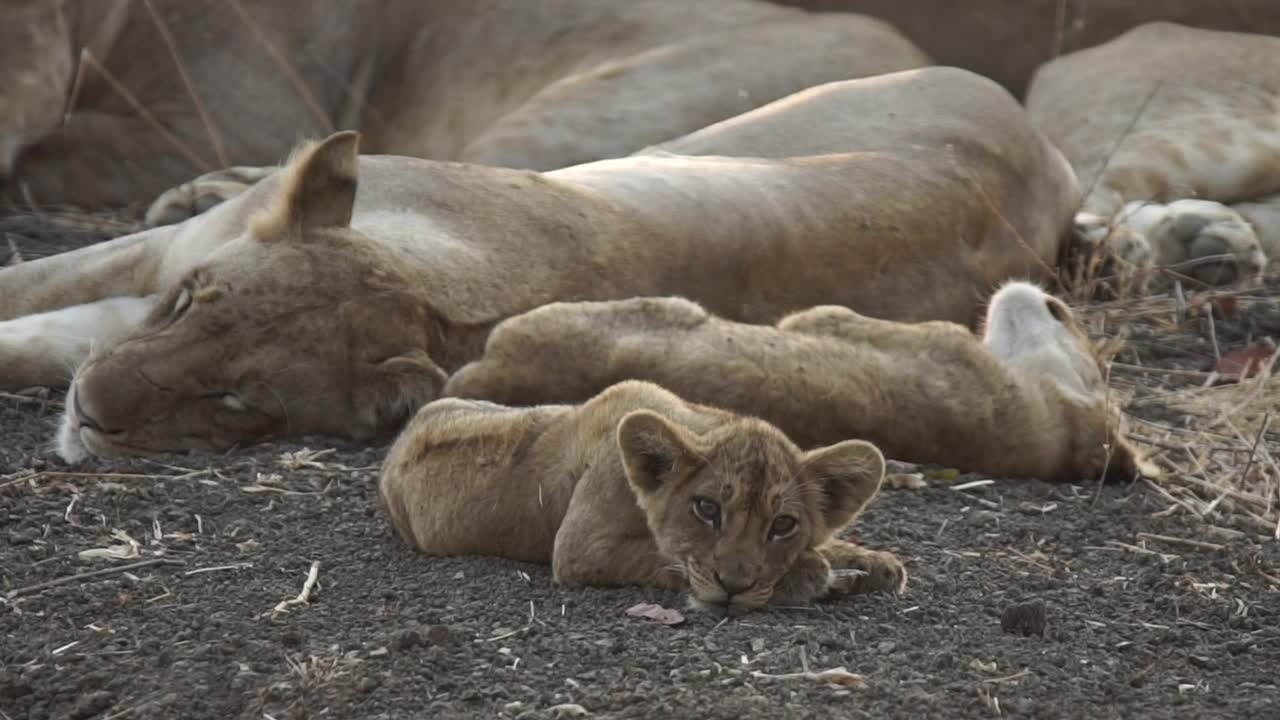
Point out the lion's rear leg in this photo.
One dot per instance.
(46, 349)
(840, 322)
(192, 198)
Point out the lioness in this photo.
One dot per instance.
(109, 102)
(639, 487)
(1027, 399)
(1006, 40)
(334, 296)
(1173, 132)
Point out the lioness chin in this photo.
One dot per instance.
(638, 487)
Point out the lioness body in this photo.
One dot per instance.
(602, 492)
(926, 392)
(1173, 133)
(929, 190)
(159, 97)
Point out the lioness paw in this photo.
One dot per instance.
(1205, 240)
(192, 198)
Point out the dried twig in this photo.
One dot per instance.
(304, 597)
(30, 589)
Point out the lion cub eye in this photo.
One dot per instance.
(708, 511)
(782, 526)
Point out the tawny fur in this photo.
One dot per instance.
(1174, 133)
(907, 196)
(1027, 399)
(615, 492)
(535, 85)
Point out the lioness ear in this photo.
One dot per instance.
(318, 191)
(654, 450)
(849, 474)
(398, 387)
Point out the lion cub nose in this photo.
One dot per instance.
(736, 576)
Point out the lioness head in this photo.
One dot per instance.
(300, 325)
(736, 506)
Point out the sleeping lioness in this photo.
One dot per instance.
(335, 295)
(110, 102)
(1027, 399)
(1173, 133)
(638, 487)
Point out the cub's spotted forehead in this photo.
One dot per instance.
(755, 464)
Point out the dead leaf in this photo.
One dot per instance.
(905, 481)
(834, 676)
(657, 613)
(1238, 365)
(1227, 304)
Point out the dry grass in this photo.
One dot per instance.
(30, 234)
(1215, 438)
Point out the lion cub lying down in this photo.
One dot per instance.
(1026, 399)
(639, 487)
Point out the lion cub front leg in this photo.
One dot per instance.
(873, 570)
(808, 579)
(838, 568)
(604, 541)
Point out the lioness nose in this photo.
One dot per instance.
(83, 417)
(736, 576)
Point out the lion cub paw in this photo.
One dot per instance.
(869, 571)
(808, 580)
(192, 198)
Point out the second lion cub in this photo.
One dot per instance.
(638, 487)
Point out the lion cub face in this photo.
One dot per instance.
(735, 507)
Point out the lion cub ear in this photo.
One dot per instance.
(318, 191)
(654, 451)
(849, 474)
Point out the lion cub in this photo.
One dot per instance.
(1027, 399)
(638, 487)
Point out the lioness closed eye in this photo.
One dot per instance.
(639, 487)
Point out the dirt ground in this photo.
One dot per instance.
(1151, 607)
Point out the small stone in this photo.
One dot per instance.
(407, 640)
(367, 684)
(886, 647)
(439, 635)
(1024, 618)
(23, 537)
(757, 645)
